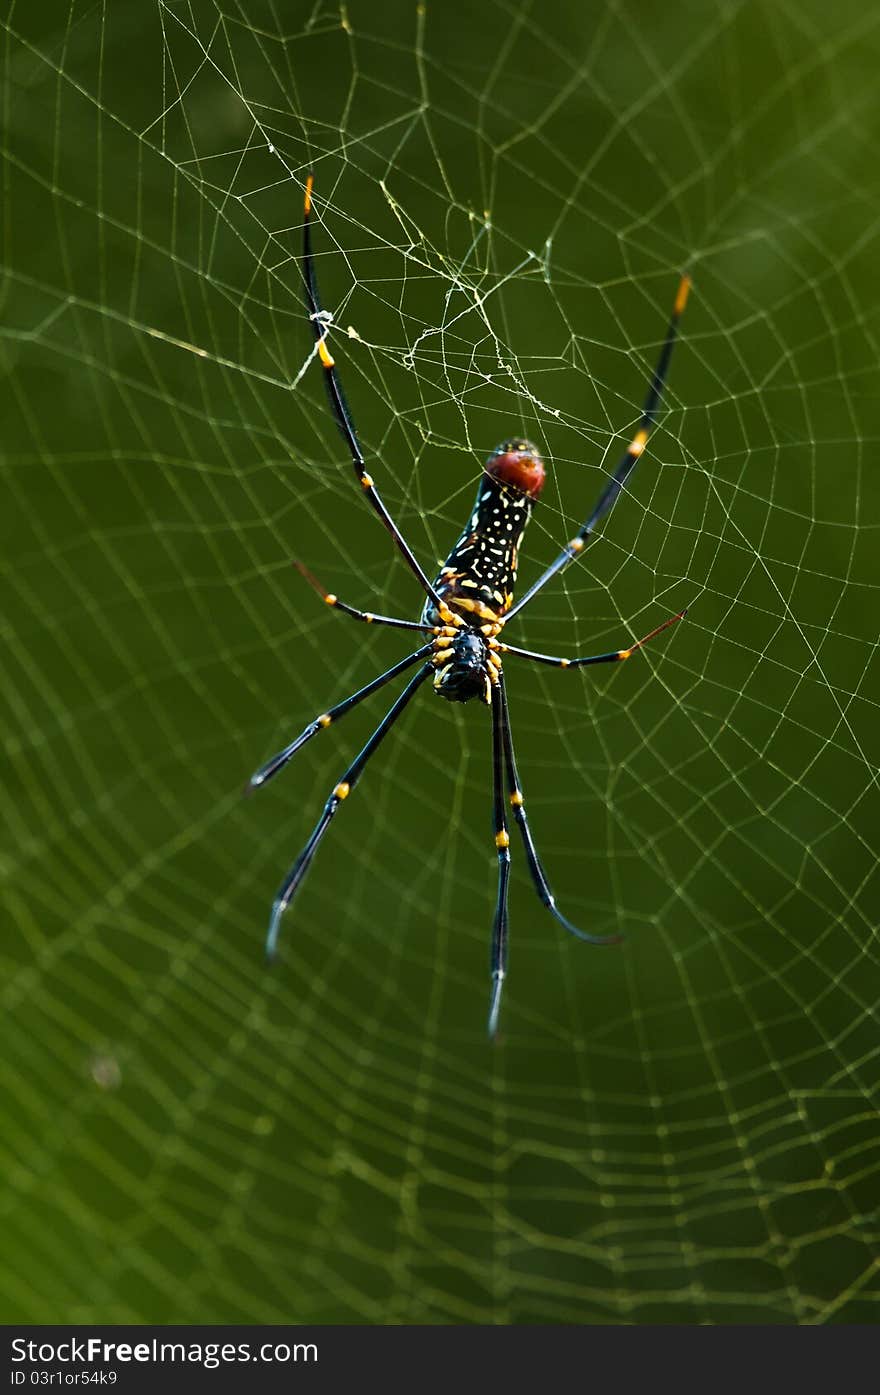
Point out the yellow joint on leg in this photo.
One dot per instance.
(368, 617)
(638, 443)
(516, 798)
(367, 480)
(565, 663)
(330, 599)
(324, 354)
(502, 839)
(309, 183)
(576, 545)
(342, 791)
(681, 300)
(325, 719)
(623, 654)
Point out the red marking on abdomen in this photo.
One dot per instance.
(518, 464)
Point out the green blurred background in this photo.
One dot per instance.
(683, 1130)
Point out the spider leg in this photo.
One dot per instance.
(536, 871)
(266, 772)
(339, 406)
(498, 957)
(608, 497)
(366, 615)
(613, 657)
(341, 791)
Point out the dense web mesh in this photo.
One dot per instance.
(683, 1129)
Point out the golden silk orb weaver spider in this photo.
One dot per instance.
(467, 607)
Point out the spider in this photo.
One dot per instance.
(467, 606)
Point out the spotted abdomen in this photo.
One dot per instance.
(478, 576)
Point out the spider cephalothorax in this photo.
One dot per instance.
(467, 663)
(465, 609)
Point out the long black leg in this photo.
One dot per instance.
(608, 496)
(366, 615)
(613, 657)
(277, 763)
(498, 958)
(339, 406)
(538, 875)
(341, 791)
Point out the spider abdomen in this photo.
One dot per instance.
(479, 574)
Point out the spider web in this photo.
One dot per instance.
(682, 1130)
